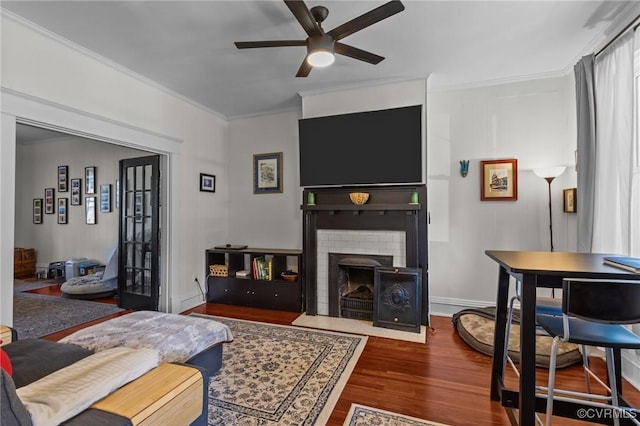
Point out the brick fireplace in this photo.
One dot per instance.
(387, 225)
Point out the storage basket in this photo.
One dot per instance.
(218, 270)
(359, 198)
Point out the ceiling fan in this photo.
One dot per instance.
(322, 45)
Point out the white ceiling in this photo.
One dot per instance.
(187, 46)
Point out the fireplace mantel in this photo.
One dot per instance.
(388, 209)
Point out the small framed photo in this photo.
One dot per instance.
(49, 195)
(62, 210)
(76, 192)
(63, 178)
(105, 198)
(499, 180)
(267, 173)
(37, 211)
(89, 180)
(207, 183)
(90, 210)
(570, 197)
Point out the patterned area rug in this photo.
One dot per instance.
(279, 375)
(35, 315)
(360, 415)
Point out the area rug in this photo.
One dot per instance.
(355, 326)
(20, 286)
(280, 375)
(35, 315)
(361, 415)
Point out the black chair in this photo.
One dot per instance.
(594, 313)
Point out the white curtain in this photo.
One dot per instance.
(634, 249)
(615, 162)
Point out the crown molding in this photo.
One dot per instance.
(113, 65)
(360, 85)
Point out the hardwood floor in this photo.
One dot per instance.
(443, 381)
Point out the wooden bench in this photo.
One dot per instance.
(168, 394)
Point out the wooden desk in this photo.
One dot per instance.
(537, 269)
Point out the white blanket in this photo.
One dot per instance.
(177, 338)
(70, 390)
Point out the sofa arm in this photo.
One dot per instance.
(168, 394)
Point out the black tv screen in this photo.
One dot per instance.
(373, 147)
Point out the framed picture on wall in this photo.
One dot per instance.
(570, 198)
(207, 183)
(90, 180)
(499, 180)
(90, 210)
(267, 173)
(105, 198)
(37, 211)
(76, 192)
(62, 210)
(63, 178)
(49, 194)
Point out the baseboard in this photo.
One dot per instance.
(447, 306)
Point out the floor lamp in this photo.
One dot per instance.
(549, 174)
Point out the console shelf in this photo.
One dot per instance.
(273, 293)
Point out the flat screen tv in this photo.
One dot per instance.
(373, 147)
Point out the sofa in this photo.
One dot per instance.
(141, 368)
(55, 383)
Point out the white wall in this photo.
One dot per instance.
(272, 220)
(533, 122)
(63, 78)
(37, 168)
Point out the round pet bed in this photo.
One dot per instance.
(476, 328)
(95, 286)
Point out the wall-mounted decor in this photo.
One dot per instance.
(207, 183)
(464, 168)
(499, 180)
(89, 180)
(63, 178)
(76, 192)
(105, 198)
(570, 197)
(62, 210)
(37, 211)
(117, 193)
(267, 173)
(90, 210)
(49, 194)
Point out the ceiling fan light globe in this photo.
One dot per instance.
(320, 58)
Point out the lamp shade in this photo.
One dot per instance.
(550, 172)
(320, 51)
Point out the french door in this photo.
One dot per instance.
(138, 252)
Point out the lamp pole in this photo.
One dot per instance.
(549, 180)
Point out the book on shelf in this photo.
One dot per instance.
(262, 268)
(243, 274)
(624, 262)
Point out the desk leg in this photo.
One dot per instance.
(497, 367)
(527, 403)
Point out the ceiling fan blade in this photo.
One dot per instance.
(369, 18)
(304, 69)
(269, 43)
(304, 17)
(355, 53)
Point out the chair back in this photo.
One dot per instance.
(605, 301)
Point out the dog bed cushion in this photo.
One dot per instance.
(476, 328)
